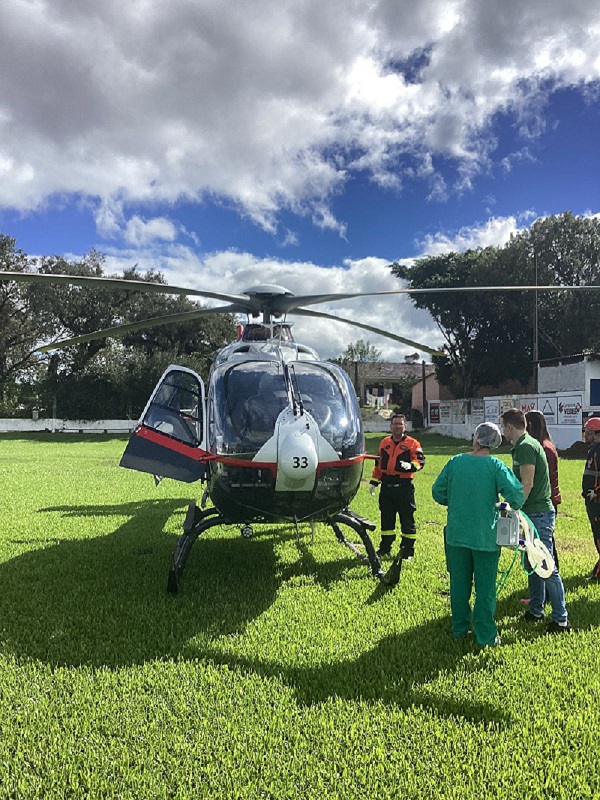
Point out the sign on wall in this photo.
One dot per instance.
(506, 403)
(528, 404)
(434, 413)
(549, 408)
(459, 411)
(445, 413)
(491, 410)
(477, 410)
(569, 410)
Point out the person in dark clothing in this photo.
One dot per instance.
(590, 485)
(399, 457)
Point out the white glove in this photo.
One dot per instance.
(591, 495)
(406, 466)
(372, 490)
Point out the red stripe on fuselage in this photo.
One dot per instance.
(197, 454)
(343, 462)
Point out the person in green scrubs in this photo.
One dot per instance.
(470, 485)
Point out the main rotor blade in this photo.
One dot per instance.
(284, 305)
(121, 330)
(116, 283)
(304, 312)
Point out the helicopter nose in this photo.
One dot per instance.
(298, 457)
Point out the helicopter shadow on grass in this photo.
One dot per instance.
(399, 671)
(103, 600)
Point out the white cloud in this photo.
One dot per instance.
(151, 102)
(140, 232)
(495, 232)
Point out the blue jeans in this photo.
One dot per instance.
(552, 586)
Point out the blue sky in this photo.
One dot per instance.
(308, 147)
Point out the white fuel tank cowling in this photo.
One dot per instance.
(298, 457)
(296, 447)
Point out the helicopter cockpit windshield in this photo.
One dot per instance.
(328, 396)
(249, 396)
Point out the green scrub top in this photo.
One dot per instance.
(470, 486)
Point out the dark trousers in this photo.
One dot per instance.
(398, 500)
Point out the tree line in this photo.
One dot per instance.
(103, 379)
(490, 338)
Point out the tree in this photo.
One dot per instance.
(361, 351)
(22, 327)
(99, 378)
(474, 324)
(489, 336)
(565, 249)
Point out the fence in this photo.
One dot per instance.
(67, 425)
(563, 411)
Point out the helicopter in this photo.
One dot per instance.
(277, 434)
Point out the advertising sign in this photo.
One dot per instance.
(506, 403)
(459, 411)
(434, 413)
(528, 404)
(569, 409)
(491, 410)
(445, 413)
(477, 410)
(549, 408)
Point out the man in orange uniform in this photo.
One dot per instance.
(400, 456)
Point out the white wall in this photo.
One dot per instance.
(562, 378)
(563, 414)
(67, 426)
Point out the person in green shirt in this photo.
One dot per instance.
(531, 468)
(470, 485)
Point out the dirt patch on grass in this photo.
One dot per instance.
(577, 450)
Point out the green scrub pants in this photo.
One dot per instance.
(467, 566)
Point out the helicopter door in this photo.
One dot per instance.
(169, 439)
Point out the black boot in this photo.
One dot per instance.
(385, 548)
(407, 547)
(595, 573)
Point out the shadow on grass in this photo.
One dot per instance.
(398, 671)
(102, 601)
(583, 611)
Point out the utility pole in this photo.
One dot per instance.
(535, 324)
(424, 382)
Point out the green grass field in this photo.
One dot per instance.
(282, 669)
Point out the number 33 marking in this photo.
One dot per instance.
(300, 462)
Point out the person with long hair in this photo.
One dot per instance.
(536, 427)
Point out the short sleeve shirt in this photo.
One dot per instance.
(528, 450)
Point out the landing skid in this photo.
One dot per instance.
(198, 521)
(361, 526)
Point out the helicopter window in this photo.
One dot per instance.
(176, 408)
(329, 399)
(262, 333)
(248, 398)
